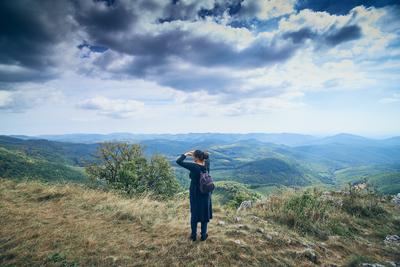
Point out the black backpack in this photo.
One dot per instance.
(206, 182)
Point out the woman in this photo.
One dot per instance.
(200, 204)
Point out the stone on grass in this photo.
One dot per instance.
(311, 255)
(221, 223)
(247, 204)
(396, 199)
(392, 239)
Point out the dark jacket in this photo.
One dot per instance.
(200, 204)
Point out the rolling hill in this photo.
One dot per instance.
(270, 171)
(326, 161)
(17, 165)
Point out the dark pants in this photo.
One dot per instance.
(193, 225)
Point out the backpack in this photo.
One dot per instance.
(206, 182)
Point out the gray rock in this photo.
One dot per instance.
(260, 230)
(269, 237)
(372, 265)
(311, 255)
(247, 204)
(392, 239)
(393, 264)
(237, 241)
(396, 199)
(221, 223)
(238, 219)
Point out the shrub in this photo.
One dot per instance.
(232, 194)
(305, 212)
(363, 203)
(124, 167)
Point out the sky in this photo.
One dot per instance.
(158, 66)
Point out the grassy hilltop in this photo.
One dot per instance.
(71, 225)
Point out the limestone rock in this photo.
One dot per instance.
(392, 239)
(396, 199)
(260, 230)
(311, 255)
(247, 204)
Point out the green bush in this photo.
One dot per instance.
(306, 212)
(124, 167)
(232, 194)
(363, 207)
(363, 203)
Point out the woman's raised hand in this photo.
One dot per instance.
(189, 153)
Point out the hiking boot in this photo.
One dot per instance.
(193, 237)
(203, 237)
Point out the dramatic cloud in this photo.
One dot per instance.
(30, 33)
(340, 7)
(117, 108)
(264, 10)
(123, 59)
(332, 37)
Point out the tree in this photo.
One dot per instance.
(161, 177)
(125, 167)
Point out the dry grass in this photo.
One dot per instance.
(68, 225)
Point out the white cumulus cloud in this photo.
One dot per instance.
(116, 108)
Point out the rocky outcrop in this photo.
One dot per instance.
(247, 204)
(396, 199)
(392, 240)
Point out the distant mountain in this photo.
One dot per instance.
(270, 171)
(287, 139)
(246, 158)
(342, 155)
(393, 141)
(342, 138)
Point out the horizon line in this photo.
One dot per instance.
(376, 136)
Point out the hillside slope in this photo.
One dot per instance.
(56, 152)
(69, 225)
(15, 164)
(270, 171)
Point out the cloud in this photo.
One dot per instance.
(265, 9)
(192, 47)
(115, 108)
(340, 7)
(389, 100)
(16, 101)
(30, 32)
(332, 37)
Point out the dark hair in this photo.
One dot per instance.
(203, 156)
(199, 154)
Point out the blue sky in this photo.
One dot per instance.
(152, 66)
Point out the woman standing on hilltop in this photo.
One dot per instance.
(200, 203)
